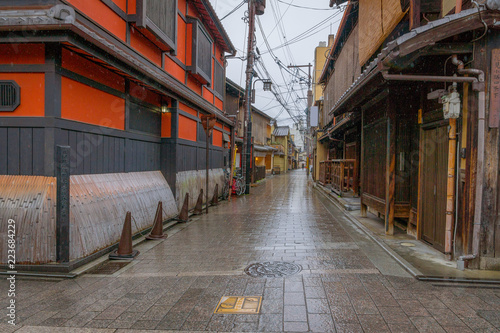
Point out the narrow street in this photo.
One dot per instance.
(347, 282)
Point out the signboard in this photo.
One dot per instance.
(494, 119)
(314, 116)
(239, 304)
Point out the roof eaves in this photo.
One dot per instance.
(397, 48)
(214, 24)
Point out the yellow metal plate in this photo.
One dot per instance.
(239, 304)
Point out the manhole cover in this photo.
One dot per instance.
(407, 244)
(108, 267)
(272, 269)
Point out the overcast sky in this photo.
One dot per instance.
(293, 22)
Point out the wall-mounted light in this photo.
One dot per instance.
(267, 85)
(165, 109)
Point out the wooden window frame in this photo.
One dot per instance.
(219, 93)
(195, 69)
(152, 31)
(17, 97)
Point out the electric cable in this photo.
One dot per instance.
(235, 9)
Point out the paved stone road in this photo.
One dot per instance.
(348, 284)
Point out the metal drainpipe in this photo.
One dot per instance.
(451, 221)
(479, 87)
(450, 188)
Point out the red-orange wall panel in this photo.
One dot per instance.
(145, 95)
(187, 128)
(175, 70)
(91, 70)
(22, 54)
(194, 85)
(219, 55)
(122, 4)
(182, 6)
(227, 128)
(166, 125)
(219, 125)
(218, 103)
(187, 109)
(192, 11)
(181, 39)
(189, 45)
(217, 138)
(32, 94)
(145, 47)
(208, 95)
(132, 6)
(103, 15)
(92, 106)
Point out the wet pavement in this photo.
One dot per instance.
(347, 282)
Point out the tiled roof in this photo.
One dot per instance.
(213, 23)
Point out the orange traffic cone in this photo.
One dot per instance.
(125, 250)
(184, 214)
(157, 230)
(198, 209)
(215, 198)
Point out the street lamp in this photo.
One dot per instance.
(267, 87)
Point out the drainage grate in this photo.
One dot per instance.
(108, 267)
(272, 269)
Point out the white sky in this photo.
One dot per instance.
(294, 22)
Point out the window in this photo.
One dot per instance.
(201, 66)
(158, 19)
(144, 118)
(219, 79)
(10, 95)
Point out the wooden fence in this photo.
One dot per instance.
(341, 174)
(325, 172)
(259, 173)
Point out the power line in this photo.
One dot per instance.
(304, 7)
(235, 9)
(309, 32)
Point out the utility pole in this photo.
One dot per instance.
(308, 115)
(255, 7)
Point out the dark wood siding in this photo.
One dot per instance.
(403, 169)
(94, 150)
(163, 13)
(374, 164)
(144, 119)
(22, 151)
